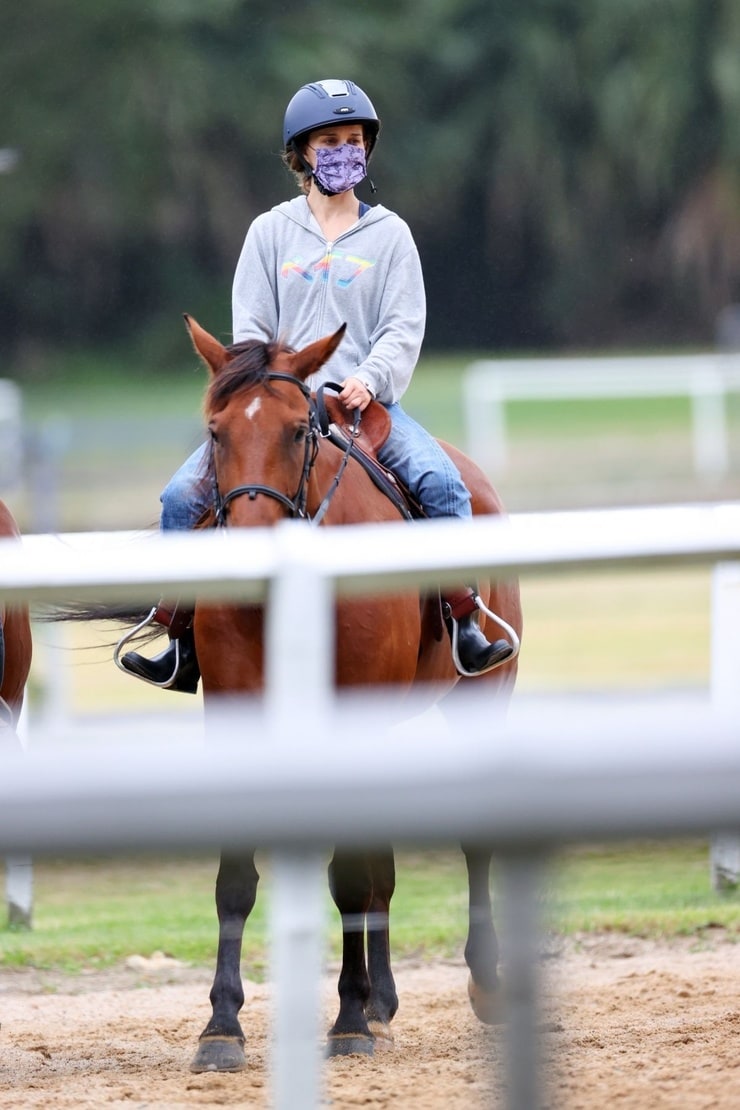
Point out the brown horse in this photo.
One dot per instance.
(267, 462)
(15, 648)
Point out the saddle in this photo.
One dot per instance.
(364, 438)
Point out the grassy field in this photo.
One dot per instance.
(92, 914)
(122, 431)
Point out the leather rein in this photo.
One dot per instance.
(295, 505)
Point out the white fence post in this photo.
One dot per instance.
(725, 686)
(709, 424)
(299, 635)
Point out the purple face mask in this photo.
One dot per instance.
(339, 168)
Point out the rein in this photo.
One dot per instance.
(324, 425)
(296, 505)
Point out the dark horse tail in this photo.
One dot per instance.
(124, 615)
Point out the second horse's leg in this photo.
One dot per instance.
(221, 1044)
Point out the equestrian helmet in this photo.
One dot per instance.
(325, 102)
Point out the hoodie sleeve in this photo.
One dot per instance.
(396, 338)
(254, 297)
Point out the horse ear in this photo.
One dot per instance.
(306, 362)
(209, 349)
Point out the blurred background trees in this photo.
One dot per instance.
(570, 168)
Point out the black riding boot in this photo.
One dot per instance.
(175, 668)
(471, 651)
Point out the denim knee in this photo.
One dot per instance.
(424, 467)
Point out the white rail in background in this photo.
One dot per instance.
(489, 385)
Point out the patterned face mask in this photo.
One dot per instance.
(339, 168)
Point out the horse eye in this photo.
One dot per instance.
(213, 434)
(301, 433)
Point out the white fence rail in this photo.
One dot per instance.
(490, 384)
(543, 782)
(124, 566)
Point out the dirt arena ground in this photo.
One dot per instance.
(627, 1023)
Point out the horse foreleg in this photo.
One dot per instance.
(481, 948)
(350, 882)
(221, 1044)
(383, 1001)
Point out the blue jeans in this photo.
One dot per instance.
(410, 452)
(424, 468)
(186, 496)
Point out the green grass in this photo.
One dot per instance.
(646, 889)
(92, 914)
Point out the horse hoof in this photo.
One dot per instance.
(381, 1031)
(350, 1044)
(219, 1054)
(487, 1004)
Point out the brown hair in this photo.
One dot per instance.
(292, 161)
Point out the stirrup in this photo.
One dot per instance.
(511, 634)
(149, 619)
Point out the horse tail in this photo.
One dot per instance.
(123, 614)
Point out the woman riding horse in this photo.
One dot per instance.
(267, 459)
(307, 267)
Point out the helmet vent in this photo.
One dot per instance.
(335, 88)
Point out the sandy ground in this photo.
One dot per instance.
(626, 1023)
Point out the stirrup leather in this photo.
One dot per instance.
(149, 619)
(510, 633)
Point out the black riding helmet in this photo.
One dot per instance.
(326, 102)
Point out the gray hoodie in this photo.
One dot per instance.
(291, 284)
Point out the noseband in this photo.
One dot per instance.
(296, 505)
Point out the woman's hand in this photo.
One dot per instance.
(355, 395)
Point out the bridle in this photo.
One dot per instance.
(295, 505)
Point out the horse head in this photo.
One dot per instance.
(261, 424)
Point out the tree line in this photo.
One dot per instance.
(570, 168)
